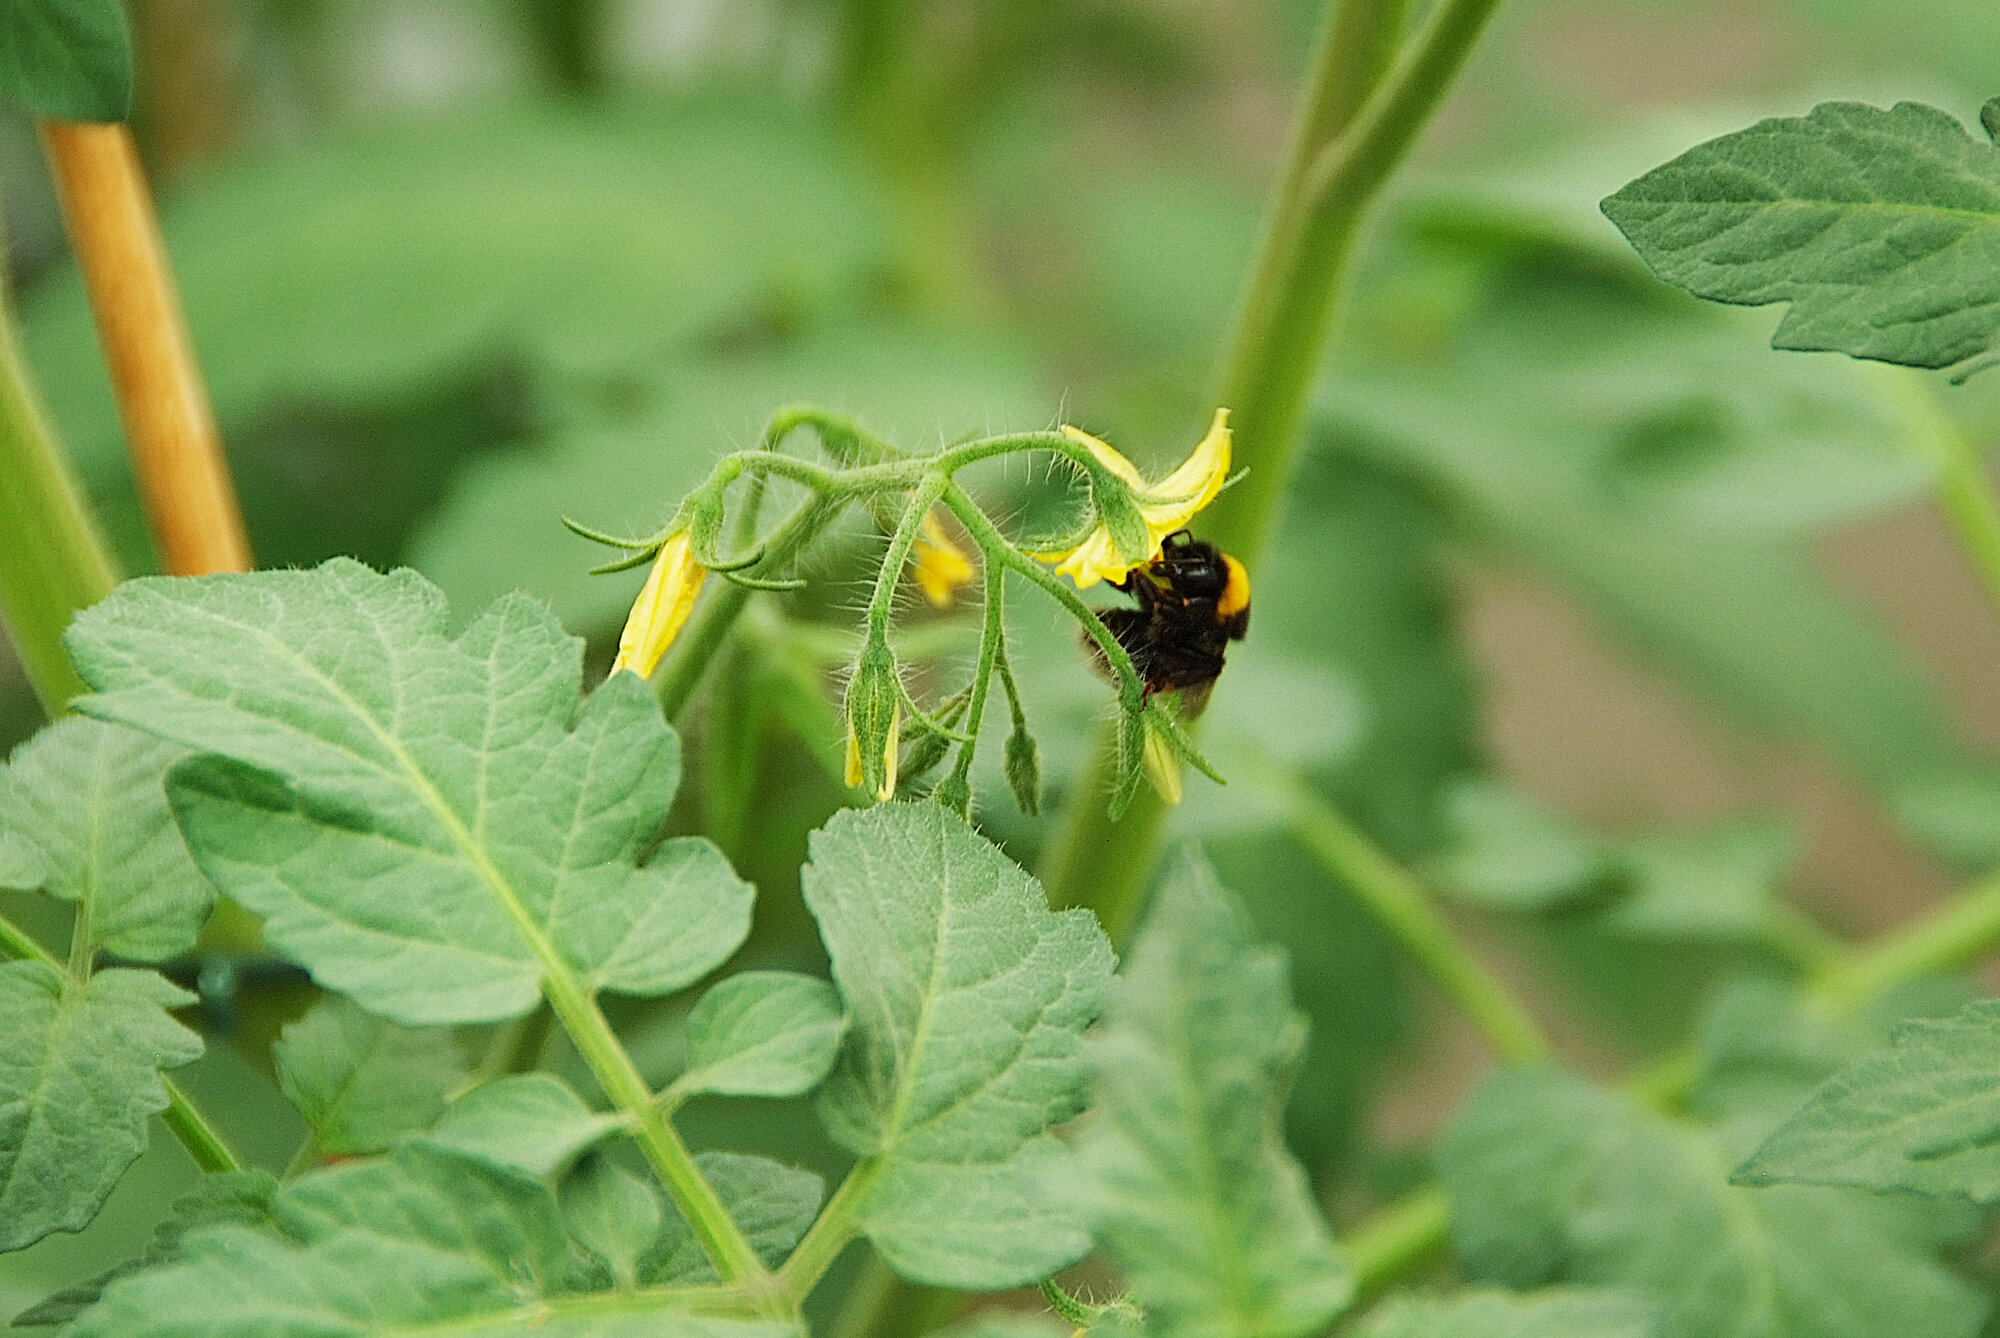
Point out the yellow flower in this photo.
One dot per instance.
(1163, 767)
(887, 789)
(662, 606)
(1165, 506)
(941, 565)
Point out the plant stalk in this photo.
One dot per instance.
(52, 559)
(176, 452)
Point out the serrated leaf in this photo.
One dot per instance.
(528, 1122)
(612, 1213)
(1482, 1314)
(1922, 1117)
(428, 824)
(21, 864)
(1552, 1179)
(359, 1081)
(385, 1248)
(1508, 853)
(1192, 1191)
(67, 59)
(79, 1074)
(772, 1203)
(762, 1033)
(1881, 228)
(241, 1197)
(966, 999)
(88, 798)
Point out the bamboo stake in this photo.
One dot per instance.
(176, 451)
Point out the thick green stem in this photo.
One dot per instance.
(1339, 161)
(718, 1233)
(1402, 906)
(52, 560)
(1964, 491)
(829, 1235)
(1400, 1238)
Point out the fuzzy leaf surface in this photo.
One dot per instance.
(1481, 1314)
(1921, 1117)
(359, 1081)
(527, 1122)
(1194, 1194)
(1552, 1179)
(762, 1033)
(79, 1074)
(1881, 228)
(89, 798)
(428, 823)
(384, 1248)
(967, 999)
(67, 59)
(771, 1202)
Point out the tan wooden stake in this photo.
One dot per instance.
(176, 451)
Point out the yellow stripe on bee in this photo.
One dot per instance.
(1235, 590)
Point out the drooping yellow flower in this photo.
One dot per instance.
(1165, 506)
(1163, 768)
(941, 565)
(662, 606)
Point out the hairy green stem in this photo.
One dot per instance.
(52, 559)
(1402, 906)
(1356, 123)
(614, 1070)
(992, 637)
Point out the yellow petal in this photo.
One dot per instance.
(853, 760)
(1165, 506)
(662, 607)
(1106, 456)
(941, 565)
(890, 759)
(1163, 769)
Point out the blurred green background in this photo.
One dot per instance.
(1578, 585)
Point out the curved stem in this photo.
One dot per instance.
(993, 632)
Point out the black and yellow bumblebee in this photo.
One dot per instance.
(1194, 599)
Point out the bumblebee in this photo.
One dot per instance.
(1194, 599)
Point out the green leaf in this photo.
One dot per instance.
(1715, 883)
(1523, 417)
(762, 1033)
(1508, 853)
(1551, 1179)
(70, 60)
(1922, 1117)
(772, 1203)
(404, 1246)
(359, 1081)
(1192, 1190)
(1881, 228)
(1482, 1314)
(21, 864)
(966, 999)
(88, 797)
(527, 1122)
(612, 1213)
(428, 824)
(79, 1074)
(242, 1197)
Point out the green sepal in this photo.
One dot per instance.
(874, 701)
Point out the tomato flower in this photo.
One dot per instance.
(1165, 506)
(941, 566)
(662, 606)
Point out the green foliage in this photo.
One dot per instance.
(527, 1122)
(87, 798)
(966, 1000)
(771, 1202)
(1881, 228)
(1920, 1117)
(1553, 1179)
(1191, 1189)
(1551, 1314)
(428, 824)
(78, 1077)
(762, 1033)
(70, 60)
(361, 1082)
(386, 1247)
